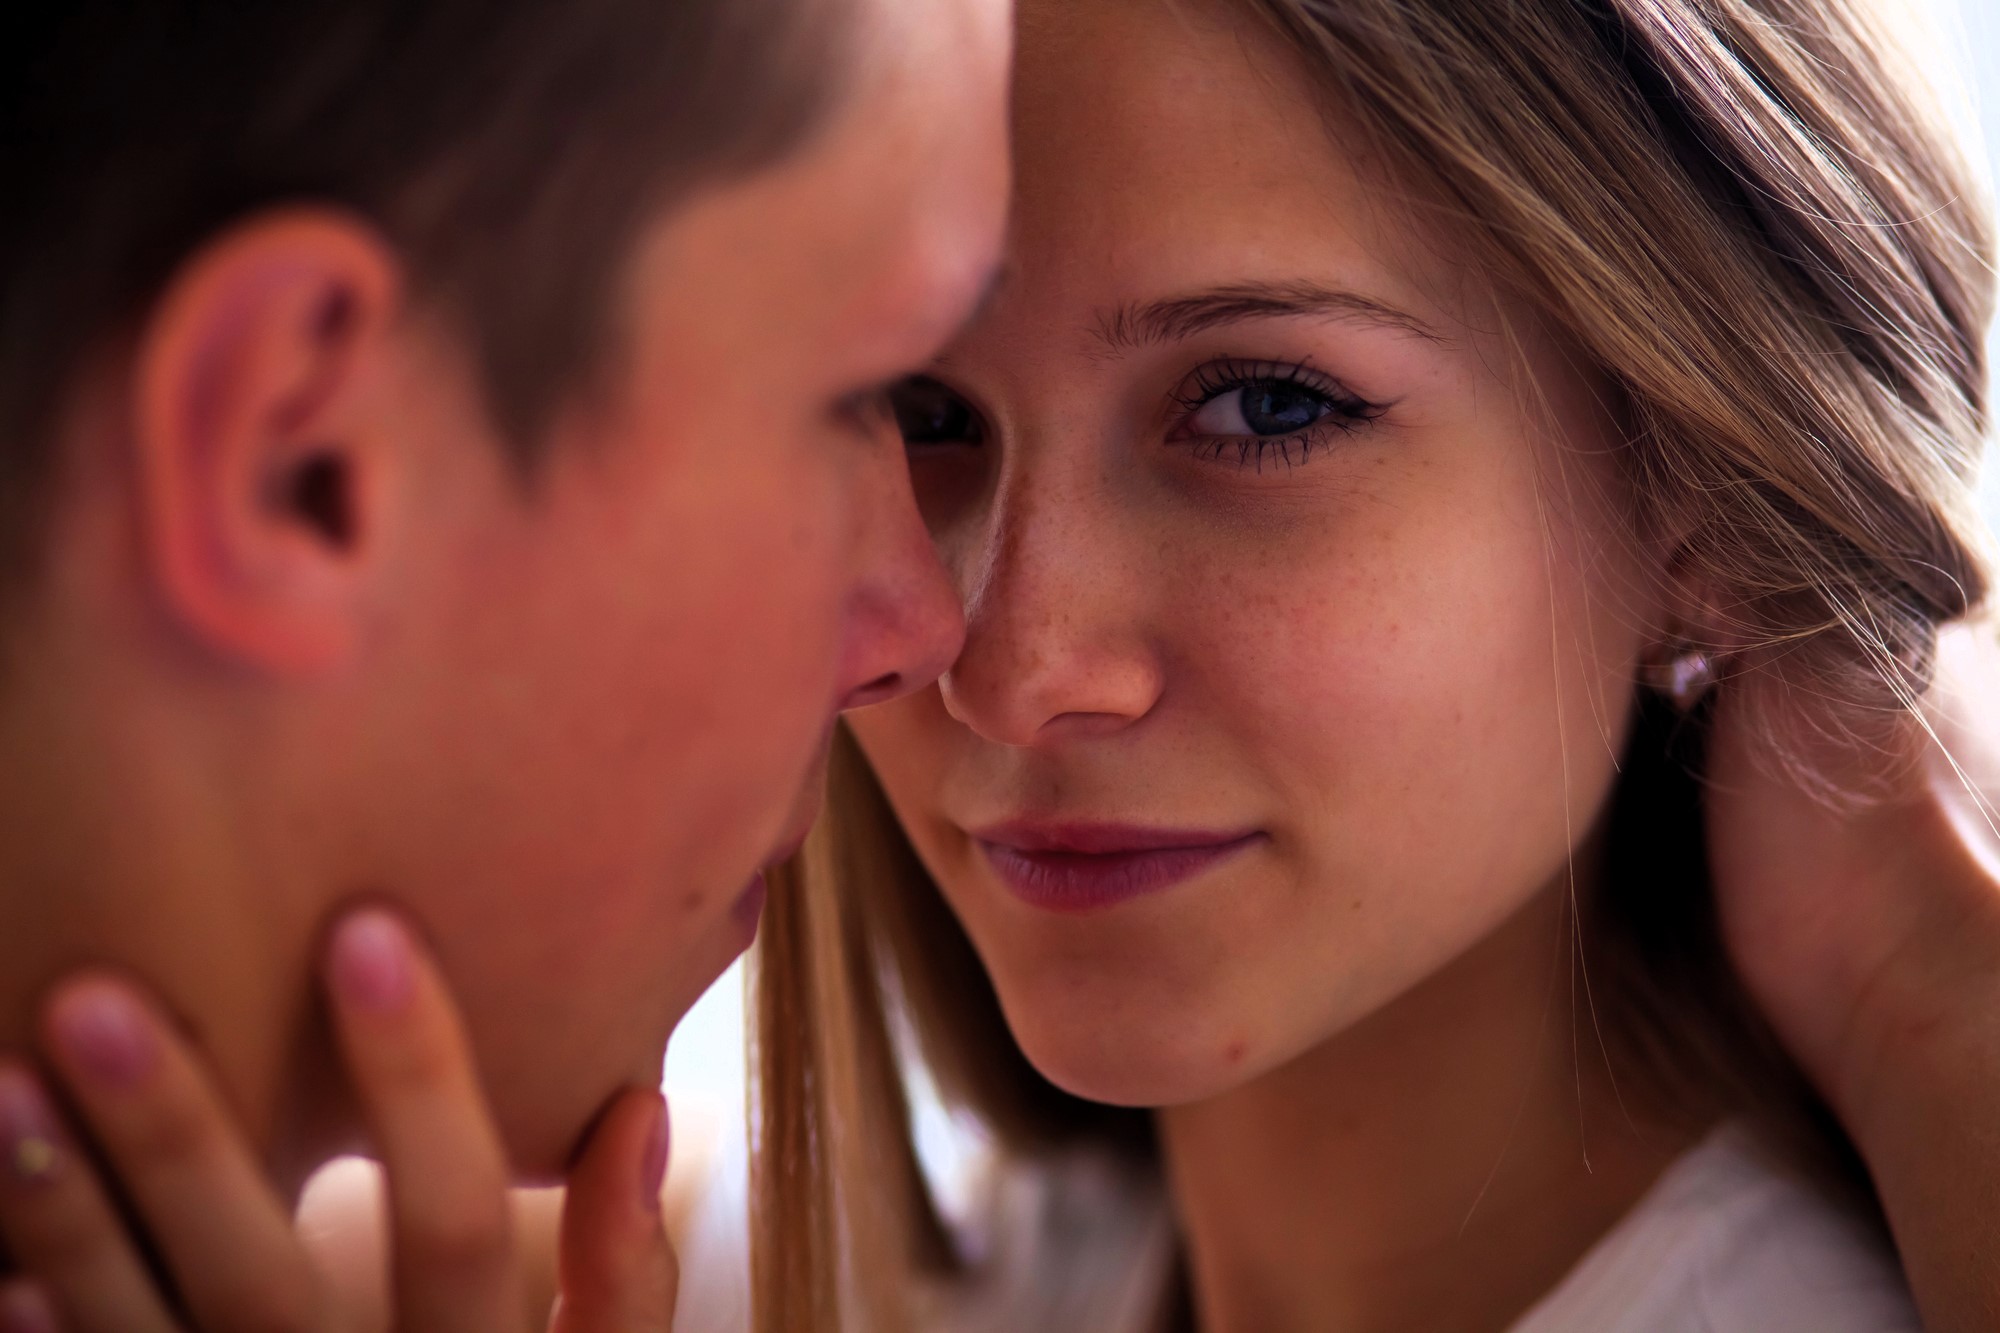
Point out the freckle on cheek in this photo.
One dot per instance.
(693, 903)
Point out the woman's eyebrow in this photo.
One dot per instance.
(1142, 324)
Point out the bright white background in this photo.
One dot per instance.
(1973, 33)
(705, 1062)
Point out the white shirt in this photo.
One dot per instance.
(1724, 1242)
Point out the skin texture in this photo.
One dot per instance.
(1160, 636)
(1402, 660)
(561, 722)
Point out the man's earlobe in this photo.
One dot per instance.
(260, 453)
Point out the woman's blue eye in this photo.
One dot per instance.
(1270, 407)
(1242, 411)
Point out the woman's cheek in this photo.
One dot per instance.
(1394, 679)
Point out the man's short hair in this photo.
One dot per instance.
(510, 149)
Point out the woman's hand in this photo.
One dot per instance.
(1870, 937)
(222, 1235)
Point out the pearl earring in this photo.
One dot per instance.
(1684, 678)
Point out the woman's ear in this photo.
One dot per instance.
(263, 471)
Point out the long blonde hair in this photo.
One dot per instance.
(1751, 218)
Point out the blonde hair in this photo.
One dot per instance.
(1748, 216)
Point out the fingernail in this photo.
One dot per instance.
(105, 1033)
(28, 1136)
(371, 967)
(25, 1308)
(653, 1170)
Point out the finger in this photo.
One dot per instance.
(451, 1241)
(25, 1307)
(618, 1268)
(182, 1160)
(61, 1227)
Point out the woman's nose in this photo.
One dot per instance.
(1055, 645)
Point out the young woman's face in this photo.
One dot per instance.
(1302, 612)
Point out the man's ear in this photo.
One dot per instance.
(263, 474)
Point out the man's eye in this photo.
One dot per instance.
(1267, 408)
(929, 413)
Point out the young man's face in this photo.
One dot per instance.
(607, 704)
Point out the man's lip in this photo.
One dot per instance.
(791, 848)
(1103, 839)
(748, 909)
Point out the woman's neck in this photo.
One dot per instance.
(1440, 1165)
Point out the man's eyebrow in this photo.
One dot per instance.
(1140, 325)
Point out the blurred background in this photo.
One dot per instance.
(705, 1068)
(1972, 33)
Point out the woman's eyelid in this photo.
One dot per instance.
(1212, 379)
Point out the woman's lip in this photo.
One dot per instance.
(1055, 873)
(1103, 839)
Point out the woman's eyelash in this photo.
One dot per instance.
(1216, 378)
(1253, 451)
(1337, 410)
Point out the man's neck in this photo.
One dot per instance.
(123, 845)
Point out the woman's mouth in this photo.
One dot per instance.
(1088, 867)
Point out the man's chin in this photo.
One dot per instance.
(547, 1109)
(543, 1156)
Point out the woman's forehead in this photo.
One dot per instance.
(1161, 156)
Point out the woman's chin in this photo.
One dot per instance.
(1157, 1056)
